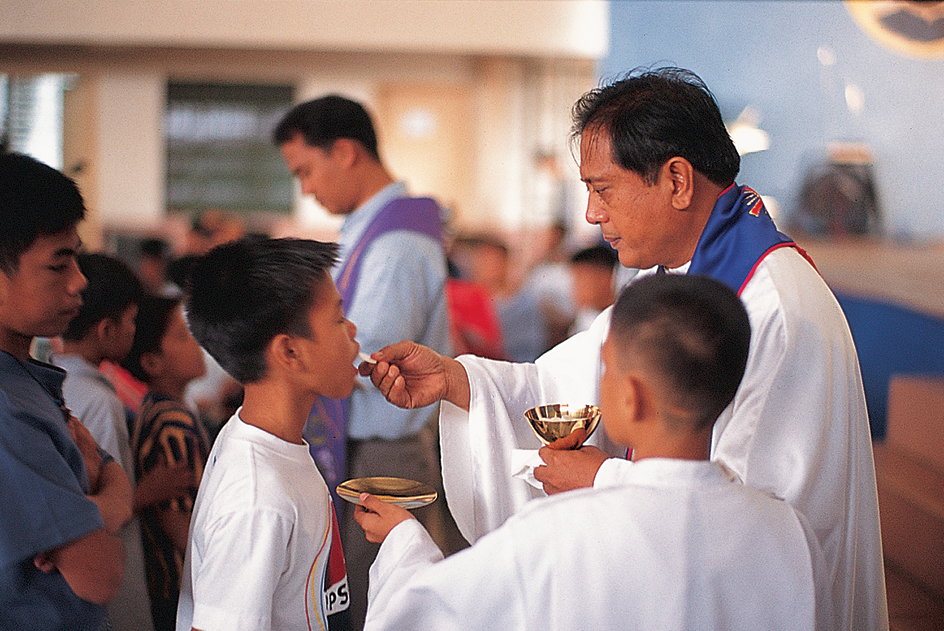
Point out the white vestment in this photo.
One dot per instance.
(797, 428)
(676, 545)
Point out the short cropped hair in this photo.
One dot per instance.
(150, 327)
(35, 200)
(691, 330)
(324, 120)
(652, 116)
(154, 247)
(596, 255)
(112, 287)
(242, 294)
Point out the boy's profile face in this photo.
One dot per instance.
(181, 353)
(121, 333)
(331, 344)
(45, 292)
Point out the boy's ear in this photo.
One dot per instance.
(283, 352)
(152, 364)
(4, 288)
(105, 328)
(637, 398)
(344, 150)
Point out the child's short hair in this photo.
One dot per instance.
(112, 288)
(150, 326)
(693, 331)
(242, 294)
(602, 256)
(35, 199)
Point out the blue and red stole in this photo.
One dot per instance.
(737, 237)
(326, 431)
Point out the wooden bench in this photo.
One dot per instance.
(909, 467)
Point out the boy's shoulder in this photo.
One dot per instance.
(81, 374)
(639, 486)
(31, 387)
(250, 469)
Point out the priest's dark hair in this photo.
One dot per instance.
(242, 294)
(652, 116)
(693, 332)
(35, 199)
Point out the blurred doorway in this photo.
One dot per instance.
(426, 140)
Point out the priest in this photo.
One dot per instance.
(660, 169)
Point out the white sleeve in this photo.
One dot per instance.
(407, 549)
(478, 589)
(104, 421)
(477, 446)
(242, 555)
(612, 473)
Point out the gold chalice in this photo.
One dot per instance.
(551, 422)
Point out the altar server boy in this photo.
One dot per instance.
(677, 545)
(264, 549)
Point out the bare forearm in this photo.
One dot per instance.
(93, 566)
(114, 497)
(176, 524)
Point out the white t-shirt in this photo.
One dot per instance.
(260, 538)
(678, 545)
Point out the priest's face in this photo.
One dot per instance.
(635, 217)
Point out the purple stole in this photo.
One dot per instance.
(326, 431)
(737, 237)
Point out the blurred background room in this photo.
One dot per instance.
(163, 111)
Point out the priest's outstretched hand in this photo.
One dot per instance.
(567, 465)
(411, 375)
(378, 518)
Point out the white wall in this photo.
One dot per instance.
(504, 53)
(564, 28)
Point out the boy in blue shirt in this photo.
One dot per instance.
(64, 499)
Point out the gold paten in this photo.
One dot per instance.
(399, 491)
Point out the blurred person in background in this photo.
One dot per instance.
(593, 272)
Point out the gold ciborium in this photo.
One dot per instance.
(551, 422)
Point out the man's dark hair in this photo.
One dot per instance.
(35, 200)
(691, 330)
(596, 255)
(242, 294)
(154, 247)
(322, 121)
(112, 288)
(652, 116)
(150, 326)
